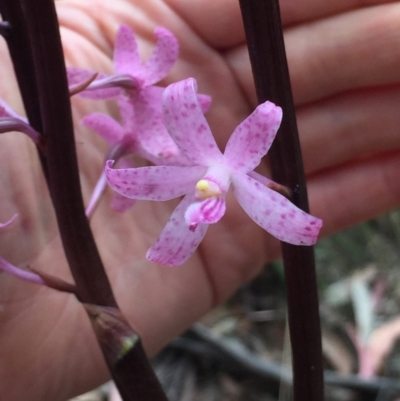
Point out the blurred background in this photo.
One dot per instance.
(241, 351)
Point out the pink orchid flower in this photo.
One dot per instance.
(136, 78)
(125, 139)
(149, 140)
(140, 93)
(206, 183)
(142, 131)
(130, 73)
(141, 101)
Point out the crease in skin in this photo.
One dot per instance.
(349, 122)
(317, 51)
(226, 13)
(370, 180)
(324, 49)
(80, 17)
(294, 12)
(222, 18)
(135, 14)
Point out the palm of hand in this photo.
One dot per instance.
(148, 294)
(45, 335)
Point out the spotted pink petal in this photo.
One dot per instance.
(151, 131)
(162, 59)
(126, 54)
(274, 213)
(252, 138)
(187, 125)
(177, 242)
(121, 204)
(260, 178)
(208, 211)
(150, 135)
(157, 183)
(127, 112)
(77, 75)
(205, 102)
(105, 126)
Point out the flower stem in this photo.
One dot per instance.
(35, 47)
(268, 59)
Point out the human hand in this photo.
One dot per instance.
(344, 73)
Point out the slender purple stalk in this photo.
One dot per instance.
(8, 124)
(268, 58)
(20, 273)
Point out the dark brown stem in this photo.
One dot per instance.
(36, 51)
(268, 59)
(36, 20)
(20, 49)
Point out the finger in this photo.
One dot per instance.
(356, 192)
(219, 23)
(348, 126)
(294, 12)
(354, 50)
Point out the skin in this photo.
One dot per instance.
(343, 58)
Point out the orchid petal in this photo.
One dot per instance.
(127, 112)
(274, 213)
(204, 101)
(121, 203)
(157, 183)
(151, 131)
(126, 54)
(253, 137)
(177, 242)
(260, 178)
(77, 75)
(152, 140)
(187, 125)
(105, 126)
(161, 60)
(208, 211)
(281, 189)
